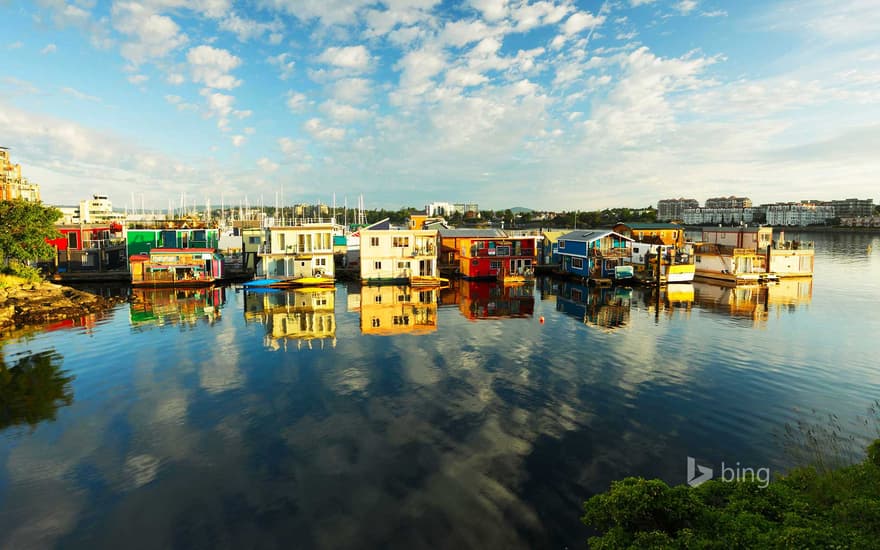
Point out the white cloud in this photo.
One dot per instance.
(528, 16)
(249, 29)
(580, 21)
(329, 12)
(343, 113)
(138, 79)
(459, 76)
(238, 140)
(221, 107)
(492, 10)
(418, 67)
(636, 3)
(296, 101)
(79, 95)
(350, 57)
(152, 35)
(352, 90)
(687, 6)
(714, 13)
(50, 48)
(211, 66)
(175, 79)
(267, 165)
(18, 44)
(289, 147)
(250, 131)
(284, 63)
(316, 128)
(460, 33)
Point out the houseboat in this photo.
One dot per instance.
(298, 255)
(676, 265)
(399, 256)
(593, 254)
(171, 306)
(510, 258)
(750, 255)
(89, 252)
(176, 267)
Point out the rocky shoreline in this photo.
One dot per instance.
(25, 304)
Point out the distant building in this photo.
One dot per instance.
(720, 216)
(729, 202)
(12, 184)
(447, 209)
(671, 209)
(798, 214)
(853, 208)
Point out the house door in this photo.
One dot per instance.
(425, 268)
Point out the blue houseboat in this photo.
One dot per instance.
(593, 254)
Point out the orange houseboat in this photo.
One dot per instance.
(494, 257)
(176, 267)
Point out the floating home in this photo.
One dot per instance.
(593, 254)
(744, 255)
(508, 259)
(90, 249)
(176, 267)
(297, 252)
(396, 309)
(304, 316)
(399, 256)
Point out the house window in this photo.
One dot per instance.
(320, 261)
(401, 319)
(71, 240)
(374, 241)
(375, 322)
(503, 251)
(253, 240)
(377, 265)
(635, 250)
(481, 245)
(400, 242)
(377, 298)
(402, 265)
(475, 262)
(495, 265)
(577, 263)
(404, 298)
(561, 245)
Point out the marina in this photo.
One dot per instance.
(498, 408)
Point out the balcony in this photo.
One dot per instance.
(90, 244)
(266, 249)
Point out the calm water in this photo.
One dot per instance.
(377, 418)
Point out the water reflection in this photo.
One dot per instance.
(33, 389)
(754, 302)
(395, 309)
(606, 308)
(306, 316)
(491, 299)
(171, 306)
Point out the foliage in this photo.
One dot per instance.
(805, 509)
(24, 228)
(24, 273)
(32, 390)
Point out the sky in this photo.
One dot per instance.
(550, 104)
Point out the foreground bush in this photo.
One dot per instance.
(804, 509)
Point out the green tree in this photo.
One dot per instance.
(807, 508)
(32, 390)
(24, 228)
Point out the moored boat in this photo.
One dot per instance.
(178, 267)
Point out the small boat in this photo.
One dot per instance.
(259, 283)
(303, 281)
(623, 274)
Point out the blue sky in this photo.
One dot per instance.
(553, 104)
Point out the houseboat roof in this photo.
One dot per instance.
(590, 235)
(652, 225)
(553, 236)
(468, 233)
